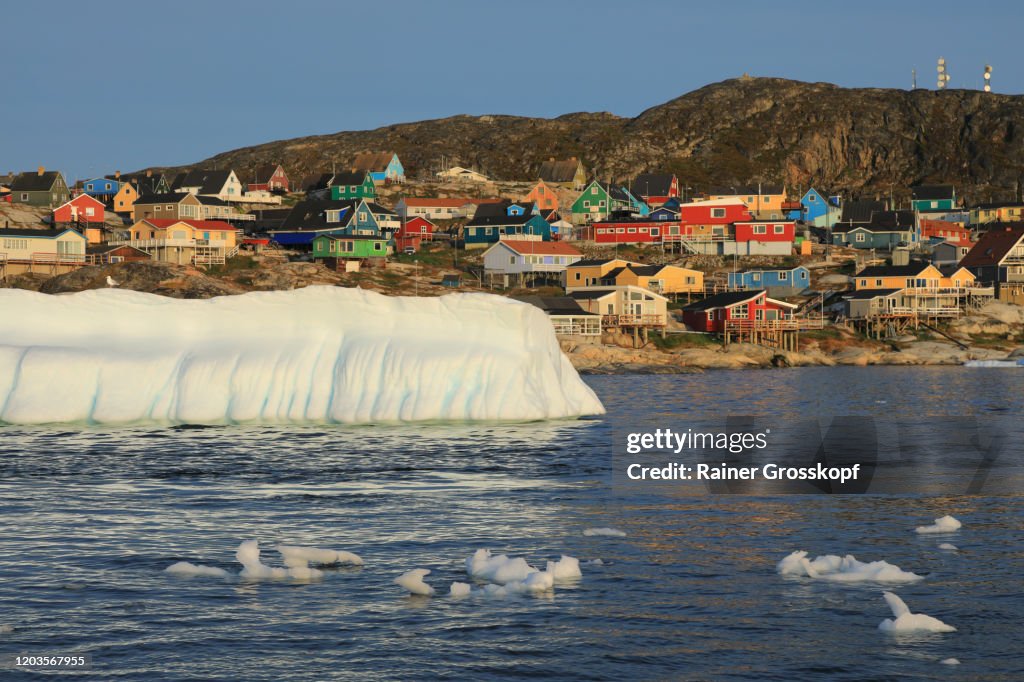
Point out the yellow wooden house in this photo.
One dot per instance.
(911, 276)
(662, 279)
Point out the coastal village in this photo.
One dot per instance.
(645, 271)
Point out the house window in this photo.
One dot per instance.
(859, 237)
(759, 314)
(170, 208)
(878, 282)
(377, 246)
(620, 230)
(577, 276)
(740, 312)
(718, 213)
(779, 229)
(586, 203)
(756, 276)
(811, 199)
(655, 232)
(760, 229)
(632, 230)
(511, 260)
(783, 276)
(593, 190)
(158, 208)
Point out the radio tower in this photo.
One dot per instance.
(988, 78)
(943, 74)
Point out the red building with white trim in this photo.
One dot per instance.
(625, 231)
(712, 313)
(82, 209)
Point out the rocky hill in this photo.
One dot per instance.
(860, 141)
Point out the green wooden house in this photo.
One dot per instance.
(601, 199)
(40, 188)
(353, 185)
(331, 248)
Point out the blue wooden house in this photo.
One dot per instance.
(315, 217)
(505, 218)
(886, 230)
(664, 213)
(103, 189)
(817, 209)
(778, 281)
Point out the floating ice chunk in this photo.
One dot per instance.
(495, 591)
(303, 556)
(333, 354)
(565, 569)
(188, 569)
(498, 569)
(595, 562)
(460, 589)
(248, 554)
(905, 621)
(844, 569)
(949, 547)
(946, 524)
(6, 629)
(949, 661)
(413, 582)
(611, 532)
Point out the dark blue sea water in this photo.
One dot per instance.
(89, 520)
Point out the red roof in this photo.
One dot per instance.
(993, 246)
(204, 225)
(540, 248)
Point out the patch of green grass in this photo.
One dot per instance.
(683, 340)
(233, 264)
(436, 256)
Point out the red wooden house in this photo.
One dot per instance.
(82, 209)
(707, 220)
(769, 231)
(625, 231)
(413, 233)
(269, 178)
(753, 308)
(944, 231)
(655, 188)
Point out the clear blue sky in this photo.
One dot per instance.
(93, 88)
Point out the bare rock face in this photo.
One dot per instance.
(165, 279)
(737, 131)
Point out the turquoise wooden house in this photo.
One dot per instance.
(353, 185)
(928, 198)
(383, 167)
(505, 219)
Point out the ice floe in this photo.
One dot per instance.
(304, 556)
(949, 661)
(413, 582)
(946, 524)
(248, 554)
(905, 621)
(184, 568)
(460, 589)
(610, 532)
(949, 547)
(845, 569)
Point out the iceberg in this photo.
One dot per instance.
(314, 355)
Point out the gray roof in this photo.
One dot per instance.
(208, 181)
(33, 181)
(652, 184)
(558, 171)
(556, 305)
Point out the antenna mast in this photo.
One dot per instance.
(988, 78)
(943, 77)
